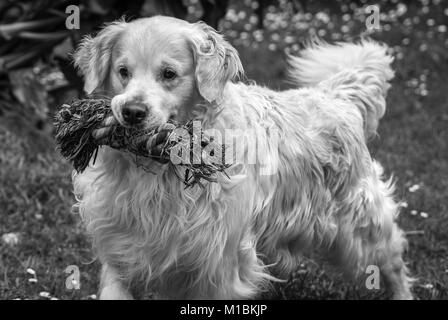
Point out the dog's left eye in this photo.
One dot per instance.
(124, 72)
(169, 74)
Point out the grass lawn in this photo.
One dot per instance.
(36, 193)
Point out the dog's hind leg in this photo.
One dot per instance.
(370, 236)
(354, 256)
(393, 267)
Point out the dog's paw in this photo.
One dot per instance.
(115, 292)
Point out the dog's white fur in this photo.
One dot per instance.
(225, 241)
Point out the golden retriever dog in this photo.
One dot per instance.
(313, 188)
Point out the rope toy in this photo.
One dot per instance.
(86, 124)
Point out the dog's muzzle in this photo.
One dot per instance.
(134, 114)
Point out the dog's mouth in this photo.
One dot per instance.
(116, 111)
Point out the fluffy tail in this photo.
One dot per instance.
(355, 72)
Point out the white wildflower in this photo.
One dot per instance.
(11, 238)
(31, 271)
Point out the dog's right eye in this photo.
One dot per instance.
(124, 73)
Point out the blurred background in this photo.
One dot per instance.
(40, 238)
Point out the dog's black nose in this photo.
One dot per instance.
(134, 114)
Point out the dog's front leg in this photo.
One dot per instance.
(111, 287)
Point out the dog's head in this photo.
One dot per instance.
(156, 69)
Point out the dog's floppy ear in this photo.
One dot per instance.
(216, 61)
(93, 55)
